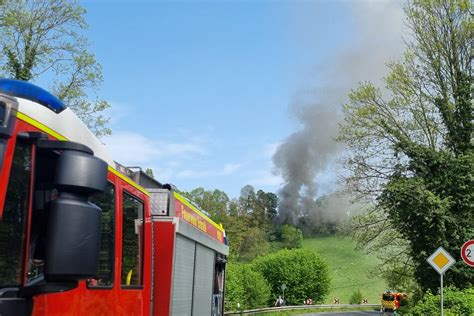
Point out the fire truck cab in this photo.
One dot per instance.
(83, 235)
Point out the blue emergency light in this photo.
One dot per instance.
(26, 90)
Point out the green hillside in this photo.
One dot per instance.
(350, 269)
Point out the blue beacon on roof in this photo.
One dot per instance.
(26, 90)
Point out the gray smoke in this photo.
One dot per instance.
(313, 148)
(327, 213)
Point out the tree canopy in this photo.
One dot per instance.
(410, 144)
(41, 40)
(247, 219)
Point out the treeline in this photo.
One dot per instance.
(250, 221)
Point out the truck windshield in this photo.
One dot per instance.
(14, 220)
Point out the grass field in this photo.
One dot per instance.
(350, 269)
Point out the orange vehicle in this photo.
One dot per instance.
(391, 302)
(82, 235)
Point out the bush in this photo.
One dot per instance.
(245, 286)
(302, 270)
(291, 237)
(356, 297)
(456, 302)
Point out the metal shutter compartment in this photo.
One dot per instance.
(182, 292)
(203, 281)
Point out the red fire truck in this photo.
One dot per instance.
(83, 235)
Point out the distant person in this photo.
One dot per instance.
(279, 302)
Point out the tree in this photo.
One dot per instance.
(149, 172)
(411, 146)
(266, 208)
(236, 230)
(254, 244)
(303, 272)
(291, 237)
(260, 208)
(247, 199)
(247, 220)
(40, 38)
(213, 202)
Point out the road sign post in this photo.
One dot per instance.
(283, 287)
(441, 261)
(441, 294)
(467, 252)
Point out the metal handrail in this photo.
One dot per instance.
(285, 308)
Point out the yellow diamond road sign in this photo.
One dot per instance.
(441, 260)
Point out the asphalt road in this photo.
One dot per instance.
(343, 313)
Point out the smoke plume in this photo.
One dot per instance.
(312, 149)
(327, 213)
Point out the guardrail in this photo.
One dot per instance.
(295, 307)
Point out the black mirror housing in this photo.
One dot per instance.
(74, 224)
(73, 239)
(80, 172)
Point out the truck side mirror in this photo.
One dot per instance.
(74, 223)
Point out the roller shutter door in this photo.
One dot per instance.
(182, 293)
(203, 281)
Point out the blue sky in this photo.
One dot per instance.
(201, 91)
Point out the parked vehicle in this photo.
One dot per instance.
(391, 302)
